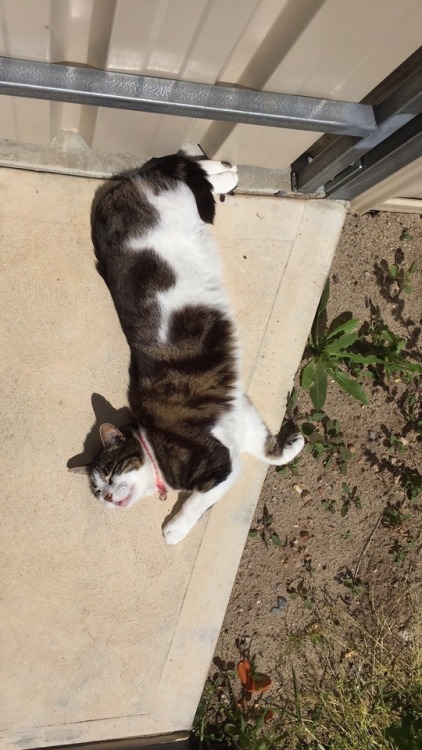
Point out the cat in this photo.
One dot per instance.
(159, 260)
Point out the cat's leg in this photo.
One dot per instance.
(258, 440)
(195, 506)
(222, 175)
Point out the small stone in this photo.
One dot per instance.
(372, 435)
(298, 488)
(305, 495)
(281, 607)
(276, 611)
(282, 602)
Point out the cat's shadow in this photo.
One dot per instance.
(103, 412)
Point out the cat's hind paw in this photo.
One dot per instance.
(291, 448)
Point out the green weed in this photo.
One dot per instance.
(336, 349)
(349, 498)
(402, 277)
(330, 349)
(327, 444)
(264, 529)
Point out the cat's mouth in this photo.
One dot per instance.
(125, 502)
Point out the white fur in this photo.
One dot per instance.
(185, 242)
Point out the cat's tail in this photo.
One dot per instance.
(258, 440)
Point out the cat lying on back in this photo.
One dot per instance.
(160, 263)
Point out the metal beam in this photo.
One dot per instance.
(82, 85)
(391, 114)
(388, 157)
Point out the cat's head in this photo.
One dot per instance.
(118, 475)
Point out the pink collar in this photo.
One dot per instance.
(159, 484)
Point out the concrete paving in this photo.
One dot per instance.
(106, 632)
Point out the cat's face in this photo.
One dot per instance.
(118, 475)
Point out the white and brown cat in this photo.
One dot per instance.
(160, 263)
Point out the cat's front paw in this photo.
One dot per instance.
(222, 175)
(176, 530)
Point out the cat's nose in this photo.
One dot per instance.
(108, 498)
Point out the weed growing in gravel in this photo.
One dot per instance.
(349, 498)
(265, 530)
(396, 443)
(355, 586)
(331, 348)
(411, 406)
(376, 351)
(386, 350)
(234, 711)
(353, 689)
(402, 277)
(393, 516)
(411, 482)
(302, 592)
(327, 444)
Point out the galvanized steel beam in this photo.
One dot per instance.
(100, 88)
(391, 114)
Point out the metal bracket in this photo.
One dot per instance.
(401, 148)
(391, 114)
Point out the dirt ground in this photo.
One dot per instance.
(356, 552)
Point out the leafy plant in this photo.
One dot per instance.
(327, 444)
(393, 516)
(411, 481)
(353, 583)
(349, 498)
(411, 405)
(386, 350)
(329, 505)
(406, 733)
(405, 235)
(335, 349)
(229, 717)
(399, 551)
(265, 530)
(301, 591)
(330, 349)
(396, 443)
(403, 277)
(291, 468)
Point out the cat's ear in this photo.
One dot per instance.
(78, 469)
(110, 435)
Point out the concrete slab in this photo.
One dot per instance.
(106, 632)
